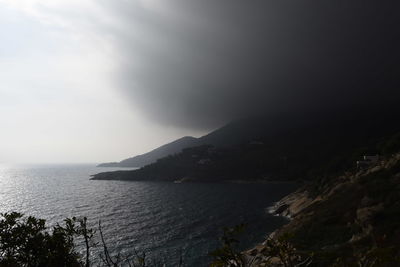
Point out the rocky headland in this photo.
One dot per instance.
(357, 213)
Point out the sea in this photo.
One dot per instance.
(166, 220)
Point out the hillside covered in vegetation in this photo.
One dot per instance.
(262, 149)
(355, 217)
(352, 219)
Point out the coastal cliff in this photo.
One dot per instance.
(357, 213)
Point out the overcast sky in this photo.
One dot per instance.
(59, 98)
(101, 80)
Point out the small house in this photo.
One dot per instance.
(367, 161)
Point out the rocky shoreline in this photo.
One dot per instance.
(345, 215)
(292, 204)
(289, 207)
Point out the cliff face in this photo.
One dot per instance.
(353, 213)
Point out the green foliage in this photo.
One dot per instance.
(25, 242)
(276, 252)
(280, 251)
(228, 254)
(375, 257)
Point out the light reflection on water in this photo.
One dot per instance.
(164, 218)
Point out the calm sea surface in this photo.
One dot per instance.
(164, 219)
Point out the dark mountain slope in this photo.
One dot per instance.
(262, 149)
(152, 156)
(274, 128)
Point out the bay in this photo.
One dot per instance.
(166, 220)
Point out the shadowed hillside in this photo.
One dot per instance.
(298, 148)
(150, 157)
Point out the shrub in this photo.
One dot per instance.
(24, 241)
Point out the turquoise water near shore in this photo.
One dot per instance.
(164, 219)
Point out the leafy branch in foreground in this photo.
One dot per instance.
(280, 252)
(228, 254)
(275, 252)
(25, 241)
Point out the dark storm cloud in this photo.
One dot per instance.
(198, 64)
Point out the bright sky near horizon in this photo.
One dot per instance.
(58, 98)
